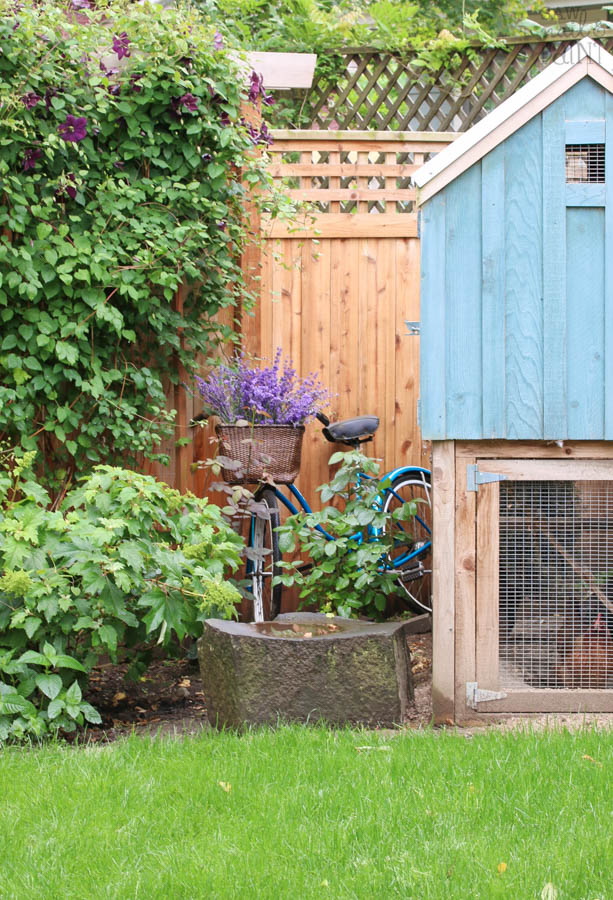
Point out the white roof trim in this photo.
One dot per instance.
(576, 56)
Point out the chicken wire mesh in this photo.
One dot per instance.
(585, 163)
(556, 584)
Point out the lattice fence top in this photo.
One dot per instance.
(349, 178)
(380, 91)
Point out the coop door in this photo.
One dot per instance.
(544, 597)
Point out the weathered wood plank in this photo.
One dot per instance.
(463, 373)
(585, 316)
(346, 225)
(524, 282)
(554, 273)
(493, 292)
(443, 582)
(535, 449)
(433, 421)
(487, 616)
(465, 586)
(608, 278)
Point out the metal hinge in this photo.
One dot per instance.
(413, 327)
(474, 477)
(475, 695)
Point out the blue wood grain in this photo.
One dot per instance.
(585, 318)
(608, 276)
(554, 272)
(588, 131)
(493, 292)
(463, 304)
(432, 315)
(585, 194)
(524, 282)
(585, 100)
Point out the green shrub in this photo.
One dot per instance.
(348, 575)
(125, 561)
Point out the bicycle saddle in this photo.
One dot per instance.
(351, 431)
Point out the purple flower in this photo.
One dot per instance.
(263, 136)
(81, 4)
(222, 225)
(49, 94)
(74, 129)
(206, 157)
(189, 102)
(270, 395)
(30, 157)
(121, 42)
(114, 89)
(224, 119)
(218, 41)
(255, 87)
(66, 189)
(134, 85)
(30, 100)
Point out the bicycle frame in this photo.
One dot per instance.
(373, 533)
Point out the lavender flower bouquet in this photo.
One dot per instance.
(273, 395)
(275, 402)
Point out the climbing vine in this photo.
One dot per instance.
(121, 139)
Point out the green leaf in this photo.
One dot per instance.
(73, 694)
(50, 685)
(91, 714)
(55, 708)
(31, 657)
(68, 662)
(15, 704)
(108, 636)
(31, 625)
(43, 230)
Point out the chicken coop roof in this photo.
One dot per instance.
(587, 58)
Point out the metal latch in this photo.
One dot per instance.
(474, 477)
(413, 327)
(475, 695)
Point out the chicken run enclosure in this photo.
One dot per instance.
(517, 398)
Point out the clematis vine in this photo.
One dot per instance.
(67, 188)
(30, 157)
(218, 41)
(121, 42)
(74, 129)
(30, 100)
(189, 102)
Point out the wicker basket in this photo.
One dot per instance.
(262, 450)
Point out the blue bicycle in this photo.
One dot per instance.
(412, 554)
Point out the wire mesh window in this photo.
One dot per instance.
(585, 163)
(556, 584)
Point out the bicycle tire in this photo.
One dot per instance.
(414, 577)
(266, 596)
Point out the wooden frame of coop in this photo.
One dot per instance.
(517, 398)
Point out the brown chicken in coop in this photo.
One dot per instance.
(588, 658)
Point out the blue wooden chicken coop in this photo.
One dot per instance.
(516, 221)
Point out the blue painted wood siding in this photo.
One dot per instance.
(517, 287)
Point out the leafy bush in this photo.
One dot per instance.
(121, 139)
(348, 575)
(125, 561)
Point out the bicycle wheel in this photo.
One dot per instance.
(412, 553)
(266, 597)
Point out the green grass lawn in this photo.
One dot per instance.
(305, 813)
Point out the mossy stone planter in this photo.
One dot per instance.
(305, 667)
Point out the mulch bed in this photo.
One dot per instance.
(168, 698)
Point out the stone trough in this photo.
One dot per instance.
(305, 667)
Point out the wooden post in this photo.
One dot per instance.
(443, 587)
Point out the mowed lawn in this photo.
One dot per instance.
(310, 812)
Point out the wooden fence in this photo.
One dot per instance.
(380, 90)
(338, 288)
